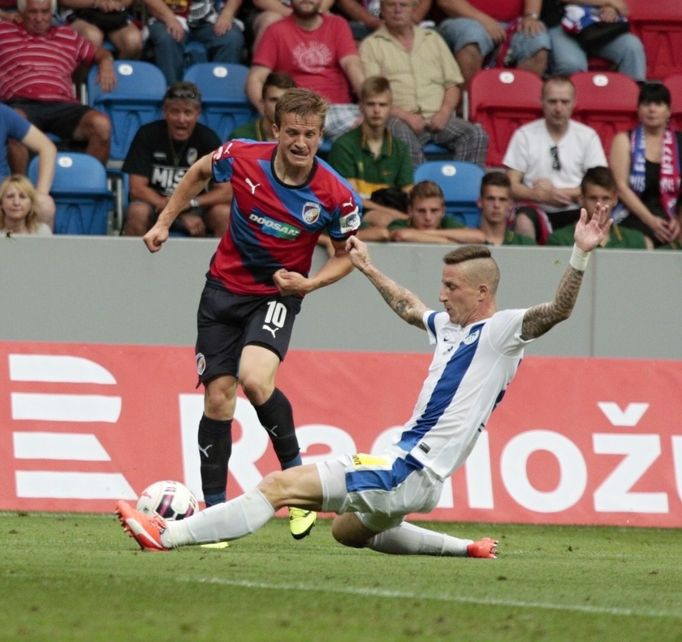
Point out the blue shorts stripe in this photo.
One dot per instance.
(381, 478)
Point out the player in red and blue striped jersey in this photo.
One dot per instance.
(273, 224)
(283, 199)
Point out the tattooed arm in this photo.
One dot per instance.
(544, 316)
(405, 304)
(588, 234)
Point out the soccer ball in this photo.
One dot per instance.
(170, 499)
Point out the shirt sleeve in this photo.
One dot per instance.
(452, 75)
(429, 320)
(368, 57)
(265, 54)
(86, 51)
(345, 43)
(17, 126)
(348, 215)
(516, 155)
(504, 331)
(223, 158)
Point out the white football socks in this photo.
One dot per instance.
(231, 520)
(408, 539)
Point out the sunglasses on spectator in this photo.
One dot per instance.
(183, 93)
(556, 161)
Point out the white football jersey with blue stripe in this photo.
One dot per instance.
(470, 371)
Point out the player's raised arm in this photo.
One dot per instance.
(403, 302)
(192, 183)
(588, 235)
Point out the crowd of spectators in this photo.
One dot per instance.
(394, 73)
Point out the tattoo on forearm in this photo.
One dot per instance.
(541, 318)
(400, 300)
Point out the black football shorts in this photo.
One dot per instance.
(227, 322)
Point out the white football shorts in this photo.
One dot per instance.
(380, 489)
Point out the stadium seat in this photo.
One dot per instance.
(674, 84)
(195, 53)
(461, 184)
(433, 151)
(136, 100)
(80, 192)
(607, 102)
(659, 26)
(224, 101)
(501, 100)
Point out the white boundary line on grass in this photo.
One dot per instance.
(461, 599)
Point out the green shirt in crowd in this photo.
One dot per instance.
(351, 157)
(619, 237)
(447, 223)
(252, 130)
(512, 238)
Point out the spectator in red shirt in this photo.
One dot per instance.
(318, 51)
(265, 12)
(36, 63)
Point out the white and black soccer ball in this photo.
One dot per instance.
(170, 499)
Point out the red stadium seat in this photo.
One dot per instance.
(607, 102)
(659, 26)
(501, 100)
(674, 84)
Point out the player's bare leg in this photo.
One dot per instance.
(257, 371)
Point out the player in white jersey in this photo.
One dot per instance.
(478, 350)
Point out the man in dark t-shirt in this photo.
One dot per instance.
(159, 156)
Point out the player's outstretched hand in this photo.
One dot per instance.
(358, 252)
(593, 232)
(155, 237)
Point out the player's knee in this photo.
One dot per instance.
(219, 398)
(347, 530)
(275, 488)
(257, 390)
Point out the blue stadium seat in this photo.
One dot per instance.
(224, 101)
(136, 100)
(195, 53)
(80, 192)
(432, 151)
(461, 184)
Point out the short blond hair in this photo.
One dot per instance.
(26, 187)
(301, 102)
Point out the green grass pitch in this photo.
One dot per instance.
(77, 577)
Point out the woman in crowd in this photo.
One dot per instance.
(647, 166)
(18, 212)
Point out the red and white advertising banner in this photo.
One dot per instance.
(575, 441)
